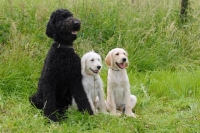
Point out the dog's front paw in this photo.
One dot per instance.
(112, 112)
(131, 115)
(53, 118)
(95, 111)
(104, 112)
(118, 113)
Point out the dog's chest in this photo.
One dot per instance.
(117, 77)
(92, 86)
(118, 81)
(119, 95)
(120, 91)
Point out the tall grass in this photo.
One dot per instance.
(163, 55)
(150, 30)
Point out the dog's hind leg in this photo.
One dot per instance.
(133, 101)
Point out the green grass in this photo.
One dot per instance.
(164, 58)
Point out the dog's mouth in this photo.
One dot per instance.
(76, 27)
(121, 65)
(74, 32)
(95, 71)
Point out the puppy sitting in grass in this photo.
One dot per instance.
(118, 87)
(91, 64)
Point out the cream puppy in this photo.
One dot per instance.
(91, 64)
(118, 87)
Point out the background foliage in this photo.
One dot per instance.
(164, 57)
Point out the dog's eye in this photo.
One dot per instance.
(117, 54)
(124, 53)
(92, 60)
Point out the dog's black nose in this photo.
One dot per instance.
(77, 23)
(124, 59)
(99, 67)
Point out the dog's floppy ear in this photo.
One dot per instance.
(127, 62)
(50, 28)
(108, 59)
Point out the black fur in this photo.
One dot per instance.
(61, 77)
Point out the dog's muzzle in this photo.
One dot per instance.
(124, 59)
(99, 67)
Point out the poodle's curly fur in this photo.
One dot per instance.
(61, 77)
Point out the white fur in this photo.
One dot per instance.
(92, 82)
(118, 87)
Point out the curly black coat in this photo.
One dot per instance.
(61, 77)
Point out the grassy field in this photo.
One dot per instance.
(164, 58)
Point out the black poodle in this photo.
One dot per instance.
(61, 77)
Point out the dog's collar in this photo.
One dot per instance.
(114, 69)
(58, 45)
(91, 75)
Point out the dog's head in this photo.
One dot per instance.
(91, 63)
(62, 26)
(117, 59)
